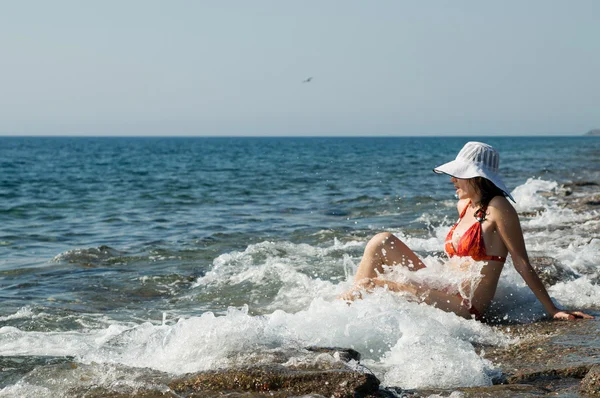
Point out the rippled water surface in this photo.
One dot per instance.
(115, 248)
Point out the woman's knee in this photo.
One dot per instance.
(381, 241)
(390, 250)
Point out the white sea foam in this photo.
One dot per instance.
(383, 327)
(528, 196)
(582, 258)
(258, 261)
(580, 293)
(374, 326)
(56, 381)
(17, 342)
(22, 313)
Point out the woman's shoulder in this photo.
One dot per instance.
(501, 205)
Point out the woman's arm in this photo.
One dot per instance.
(509, 228)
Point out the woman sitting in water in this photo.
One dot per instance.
(487, 230)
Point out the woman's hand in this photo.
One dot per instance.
(570, 315)
(354, 293)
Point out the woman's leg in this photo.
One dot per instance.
(450, 303)
(385, 249)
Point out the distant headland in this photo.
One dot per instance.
(593, 132)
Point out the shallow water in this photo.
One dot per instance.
(129, 256)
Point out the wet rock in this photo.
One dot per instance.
(590, 385)
(278, 381)
(550, 271)
(582, 184)
(101, 392)
(499, 391)
(309, 372)
(586, 203)
(548, 345)
(550, 355)
(344, 354)
(570, 372)
(528, 213)
(89, 258)
(581, 196)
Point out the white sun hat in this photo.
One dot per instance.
(476, 159)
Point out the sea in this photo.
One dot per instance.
(125, 257)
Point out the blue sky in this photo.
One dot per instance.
(236, 67)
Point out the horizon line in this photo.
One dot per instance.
(291, 136)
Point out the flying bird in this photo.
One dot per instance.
(307, 80)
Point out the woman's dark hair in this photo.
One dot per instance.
(487, 189)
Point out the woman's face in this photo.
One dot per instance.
(464, 188)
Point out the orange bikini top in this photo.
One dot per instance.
(471, 244)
